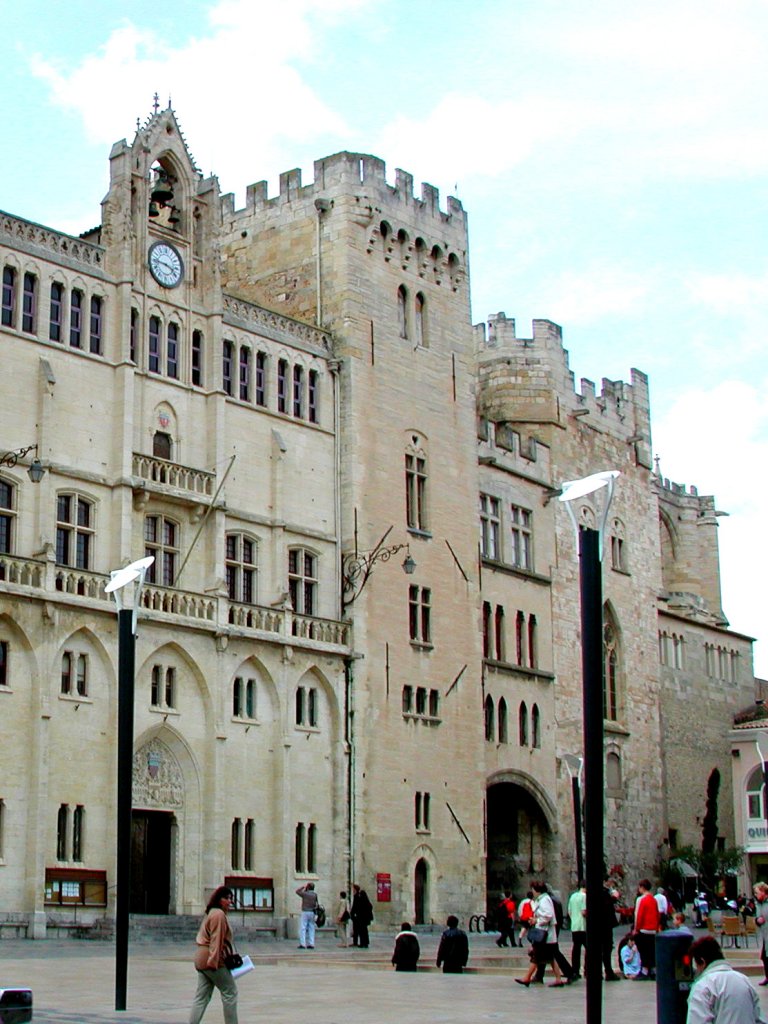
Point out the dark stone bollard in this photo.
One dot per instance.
(674, 975)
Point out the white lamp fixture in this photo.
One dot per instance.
(120, 578)
(573, 489)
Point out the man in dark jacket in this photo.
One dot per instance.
(453, 951)
(607, 923)
(406, 954)
(361, 913)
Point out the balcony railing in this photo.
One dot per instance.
(179, 602)
(327, 631)
(41, 578)
(253, 616)
(171, 474)
(80, 582)
(26, 572)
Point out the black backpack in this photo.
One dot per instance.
(319, 916)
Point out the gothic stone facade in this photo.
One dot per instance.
(265, 399)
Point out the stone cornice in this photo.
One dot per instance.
(240, 313)
(47, 243)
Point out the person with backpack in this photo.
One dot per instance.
(525, 915)
(309, 905)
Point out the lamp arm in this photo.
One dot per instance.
(137, 601)
(604, 518)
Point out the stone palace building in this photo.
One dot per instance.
(358, 647)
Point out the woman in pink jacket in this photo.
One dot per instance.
(214, 943)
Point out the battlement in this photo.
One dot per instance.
(529, 380)
(701, 507)
(679, 489)
(348, 173)
(520, 452)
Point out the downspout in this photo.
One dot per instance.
(321, 205)
(349, 742)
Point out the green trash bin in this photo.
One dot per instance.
(674, 976)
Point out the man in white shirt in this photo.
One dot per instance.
(663, 904)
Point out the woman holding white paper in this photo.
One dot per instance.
(214, 943)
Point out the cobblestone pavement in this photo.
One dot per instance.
(73, 983)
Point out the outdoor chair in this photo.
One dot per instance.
(731, 929)
(750, 930)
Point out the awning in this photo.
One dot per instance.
(683, 868)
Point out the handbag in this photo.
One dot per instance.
(232, 961)
(537, 935)
(246, 964)
(344, 917)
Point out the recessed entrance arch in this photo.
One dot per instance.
(520, 832)
(156, 827)
(421, 891)
(151, 859)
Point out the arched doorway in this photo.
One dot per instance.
(151, 861)
(421, 892)
(519, 846)
(158, 803)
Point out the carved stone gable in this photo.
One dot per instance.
(157, 777)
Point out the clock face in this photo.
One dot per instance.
(166, 265)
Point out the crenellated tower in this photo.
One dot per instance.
(690, 556)
(386, 272)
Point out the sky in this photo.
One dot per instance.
(612, 157)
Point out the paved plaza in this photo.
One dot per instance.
(73, 983)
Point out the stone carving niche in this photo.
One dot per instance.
(158, 781)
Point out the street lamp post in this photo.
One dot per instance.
(575, 764)
(126, 659)
(590, 543)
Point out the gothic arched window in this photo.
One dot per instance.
(612, 667)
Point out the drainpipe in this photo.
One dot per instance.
(349, 742)
(322, 206)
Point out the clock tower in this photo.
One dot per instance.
(158, 229)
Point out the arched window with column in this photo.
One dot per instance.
(522, 724)
(420, 320)
(489, 727)
(502, 720)
(611, 666)
(535, 726)
(755, 795)
(402, 311)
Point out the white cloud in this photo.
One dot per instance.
(609, 94)
(474, 136)
(725, 293)
(688, 37)
(240, 98)
(589, 295)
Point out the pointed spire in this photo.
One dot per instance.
(156, 103)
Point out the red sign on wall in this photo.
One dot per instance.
(383, 888)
